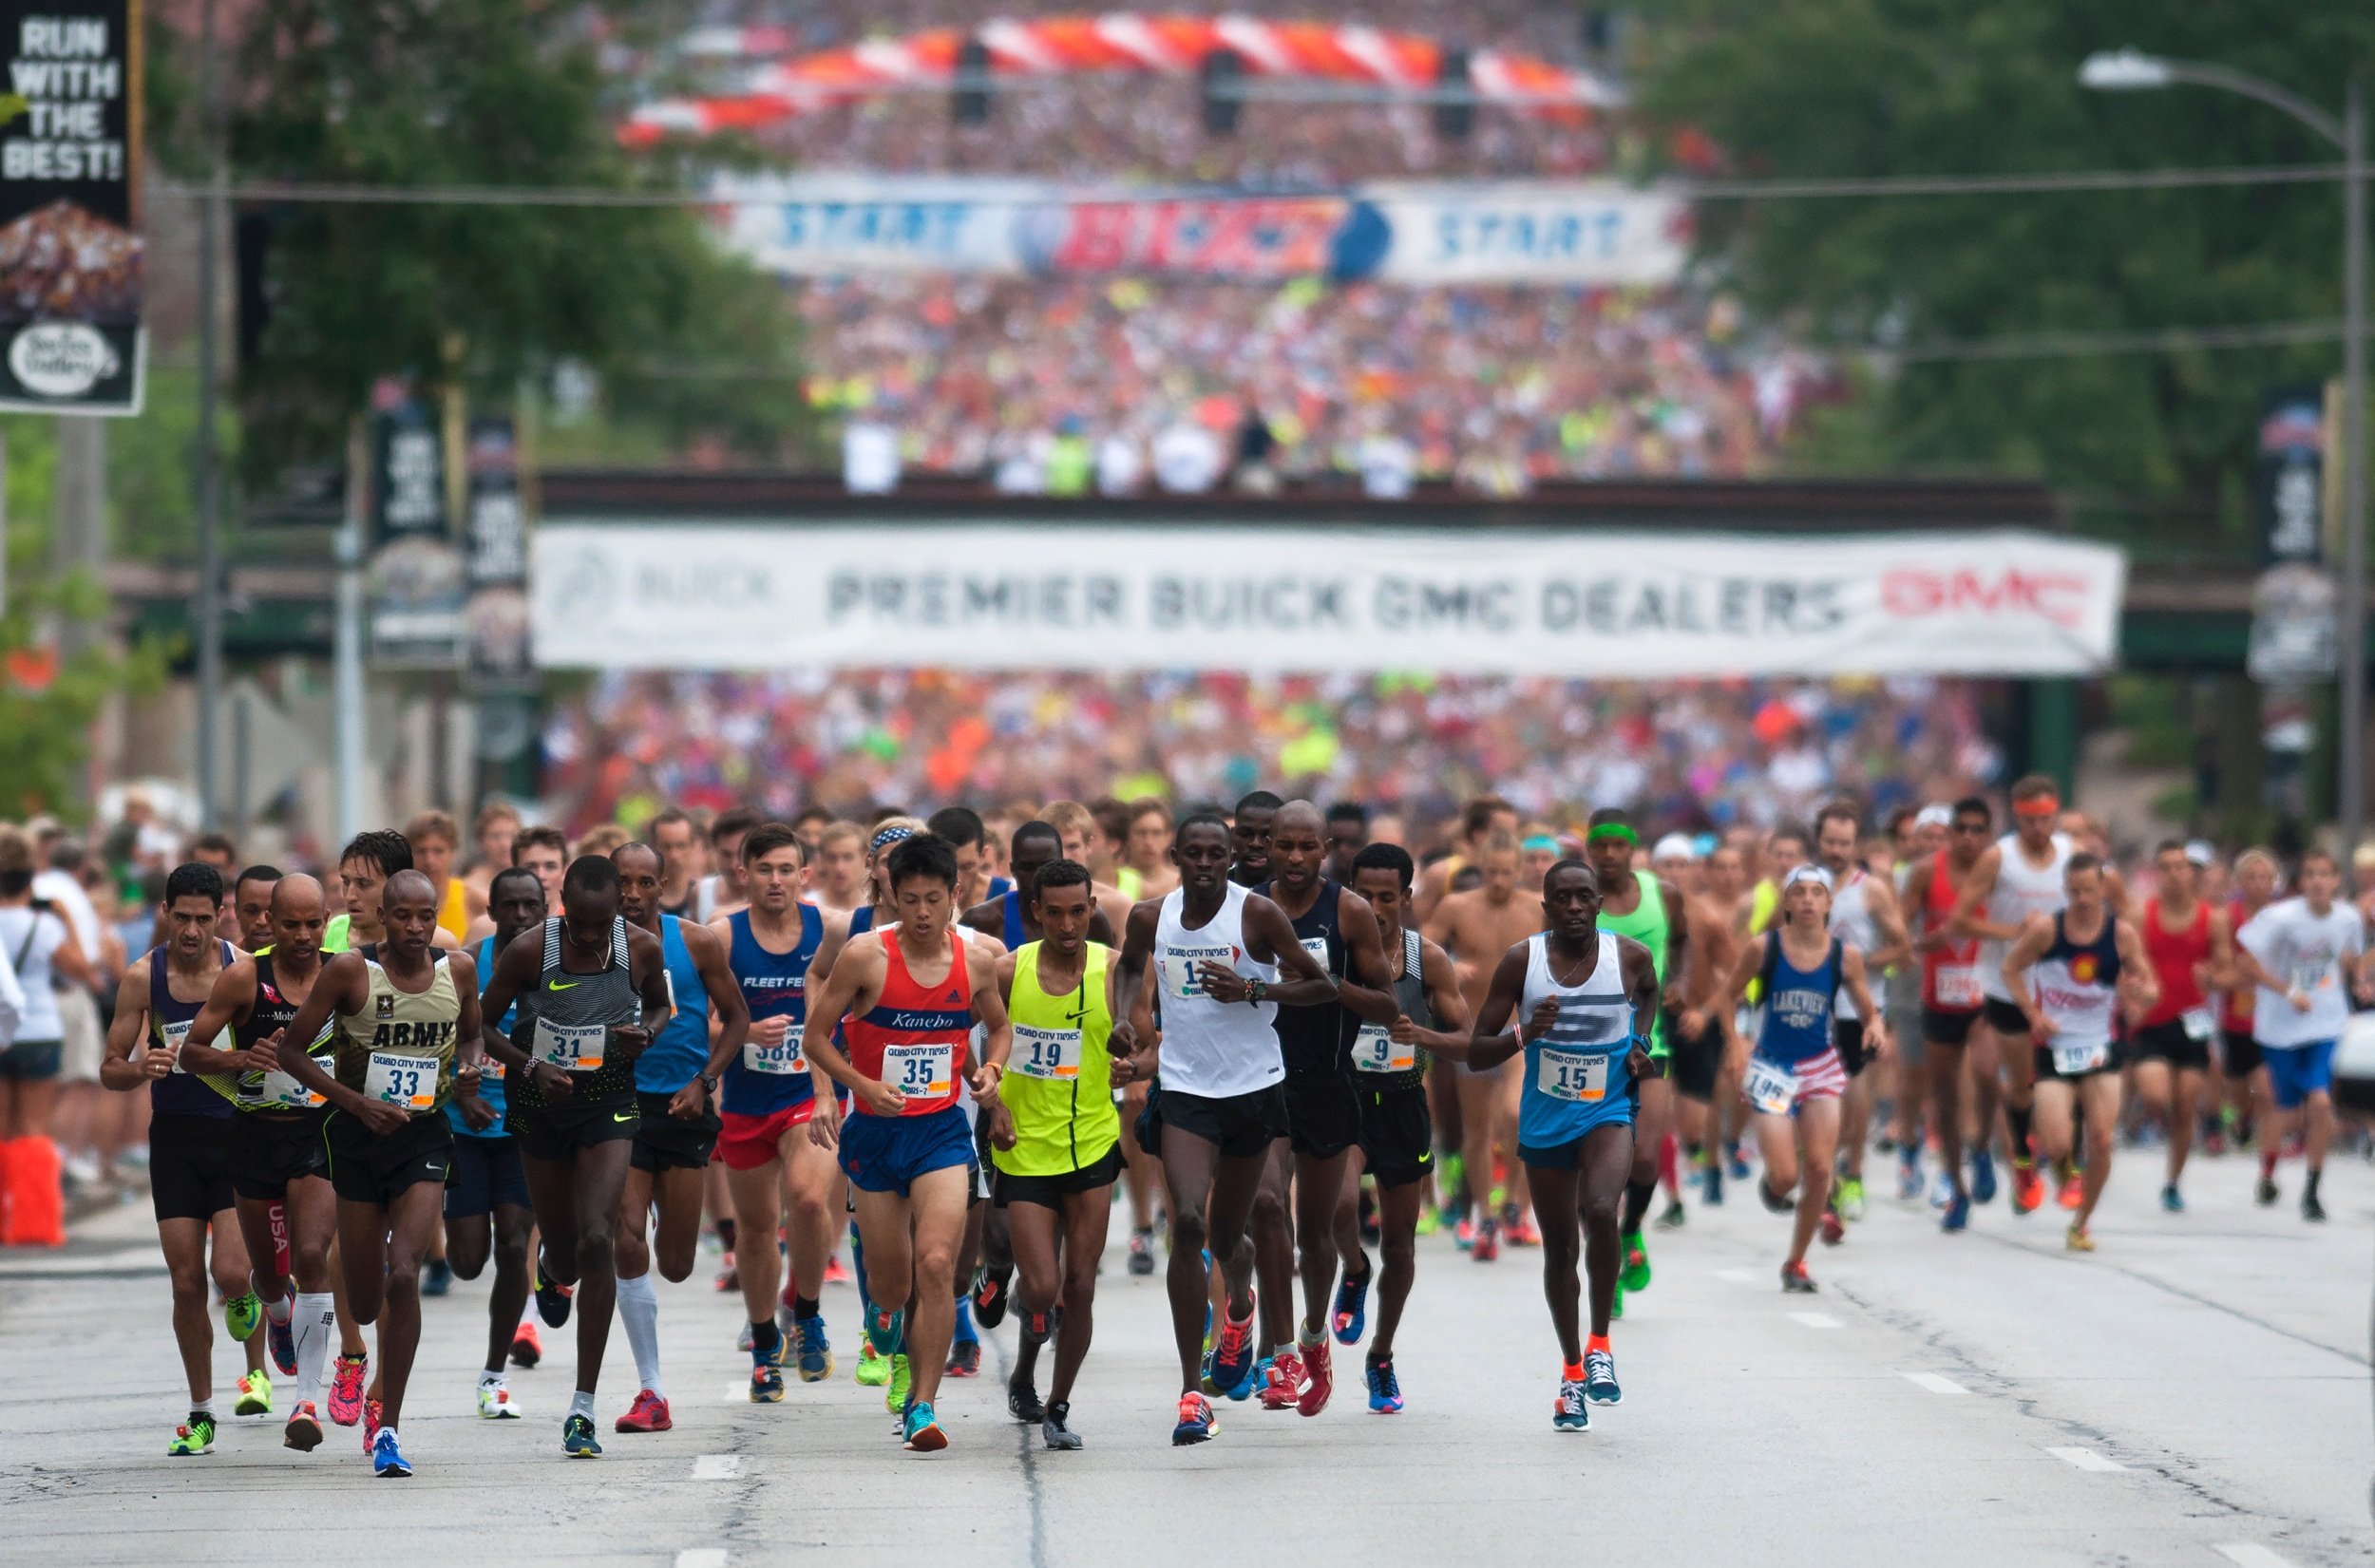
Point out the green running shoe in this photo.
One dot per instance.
(874, 1369)
(240, 1314)
(1616, 1308)
(577, 1440)
(255, 1394)
(1635, 1274)
(895, 1393)
(196, 1438)
(920, 1431)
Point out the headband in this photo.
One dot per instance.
(1542, 840)
(1934, 816)
(1806, 874)
(2043, 806)
(1612, 830)
(1673, 846)
(886, 837)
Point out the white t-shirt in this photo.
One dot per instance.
(82, 915)
(47, 935)
(2303, 950)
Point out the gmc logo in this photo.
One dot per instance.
(1914, 592)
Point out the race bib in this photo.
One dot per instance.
(572, 1048)
(408, 1083)
(781, 1060)
(1052, 1053)
(278, 1089)
(2305, 977)
(2195, 1022)
(924, 1071)
(1317, 948)
(1181, 980)
(174, 1035)
(1770, 1087)
(1373, 1051)
(1958, 987)
(2086, 1056)
(1571, 1075)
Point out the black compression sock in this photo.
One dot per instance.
(2017, 1120)
(2310, 1189)
(726, 1233)
(1637, 1196)
(805, 1306)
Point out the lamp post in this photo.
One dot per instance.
(2126, 70)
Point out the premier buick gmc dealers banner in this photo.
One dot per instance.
(633, 596)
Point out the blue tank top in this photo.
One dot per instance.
(1011, 903)
(179, 1093)
(1003, 887)
(861, 920)
(1798, 1005)
(682, 1050)
(759, 1083)
(490, 1073)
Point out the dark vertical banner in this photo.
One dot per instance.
(418, 579)
(71, 264)
(496, 552)
(2289, 480)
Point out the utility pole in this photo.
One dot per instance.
(346, 638)
(209, 539)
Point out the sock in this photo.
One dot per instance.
(765, 1340)
(1597, 1342)
(2310, 1190)
(490, 1380)
(278, 1310)
(1573, 1372)
(964, 1330)
(806, 1307)
(1381, 1358)
(2267, 1162)
(1308, 1338)
(726, 1233)
(203, 1407)
(857, 1266)
(581, 1403)
(1637, 1196)
(316, 1318)
(887, 1329)
(2017, 1120)
(638, 1308)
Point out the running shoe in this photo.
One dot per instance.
(1942, 1190)
(964, 1358)
(1520, 1232)
(1232, 1358)
(577, 1440)
(1352, 1307)
(815, 1352)
(767, 1381)
(527, 1343)
(873, 1369)
(1250, 1385)
(2073, 1190)
(1600, 1378)
(240, 1314)
(989, 1297)
(1571, 1414)
(1316, 1361)
(837, 1272)
(1195, 1422)
(196, 1437)
(1958, 1213)
(1022, 1400)
(923, 1434)
(2077, 1238)
(1671, 1216)
(1035, 1329)
(2028, 1189)
(1055, 1427)
(2171, 1200)
(370, 1423)
(255, 1394)
(1635, 1274)
(1832, 1231)
(901, 1381)
(1616, 1300)
(728, 1278)
(1771, 1203)
(649, 1413)
(552, 1300)
(1488, 1244)
(281, 1342)
(1285, 1385)
(388, 1460)
(1711, 1185)
(1736, 1167)
(1851, 1199)
(1385, 1390)
(2267, 1192)
(747, 1338)
(1464, 1234)
(496, 1404)
(1142, 1252)
(1430, 1222)
(2311, 1209)
(304, 1431)
(1909, 1176)
(1795, 1280)
(1982, 1177)
(437, 1277)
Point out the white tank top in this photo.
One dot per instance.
(1211, 1048)
(2022, 890)
(1851, 923)
(1595, 1012)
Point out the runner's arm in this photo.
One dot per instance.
(1130, 975)
(2139, 983)
(343, 986)
(1267, 926)
(2220, 973)
(1967, 920)
(1896, 942)
(1441, 978)
(1492, 1041)
(1640, 968)
(1852, 975)
(1744, 968)
(1917, 896)
(828, 946)
(226, 1005)
(998, 1039)
(514, 970)
(647, 965)
(119, 1071)
(729, 1015)
(2035, 939)
(1364, 962)
(1677, 946)
(843, 989)
(470, 1036)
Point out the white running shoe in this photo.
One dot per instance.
(496, 1404)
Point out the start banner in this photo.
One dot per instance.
(1279, 598)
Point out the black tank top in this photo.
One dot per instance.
(1316, 1039)
(272, 1010)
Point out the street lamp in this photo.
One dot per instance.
(2126, 70)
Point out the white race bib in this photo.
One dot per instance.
(408, 1083)
(174, 1035)
(780, 1060)
(2086, 1056)
(572, 1048)
(1770, 1087)
(1958, 987)
(1373, 1051)
(922, 1071)
(2310, 977)
(1052, 1053)
(1180, 976)
(2195, 1022)
(278, 1089)
(1571, 1075)
(1317, 948)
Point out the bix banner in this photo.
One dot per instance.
(1096, 596)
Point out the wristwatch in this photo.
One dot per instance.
(1256, 990)
(709, 1082)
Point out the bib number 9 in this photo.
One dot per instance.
(1373, 1051)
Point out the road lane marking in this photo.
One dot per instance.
(1935, 1384)
(2250, 1554)
(1737, 1276)
(702, 1557)
(736, 1392)
(1816, 1320)
(2086, 1459)
(718, 1468)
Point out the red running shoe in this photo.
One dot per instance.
(346, 1389)
(1488, 1245)
(837, 1272)
(1520, 1232)
(370, 1423)
(2073, 1190)
(649, 1413)
(728, 1278)
(528, 1346)
(1314, 1396)
(1284, 1389)
(2028, 1189)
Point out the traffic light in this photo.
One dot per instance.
(970, 104)
(1453, 117)
(1220, 74)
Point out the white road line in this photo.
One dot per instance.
(702, 1557)
(738, 1392)
(1737, 1276)
(1816, 1320)
(718, 1468)
(1935, 1384)
(2086, 1459)
(2250, 1554)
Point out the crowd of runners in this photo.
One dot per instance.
(933, 1058)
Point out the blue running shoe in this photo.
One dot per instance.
(1352, 1307)
(386, 1459)
(1982, 1177)
(1195, 1422)
(437, 1277)
(280, 1338)
(923, 1433)
(552, 1298)
(1385, 1390)
(1734, 1166)
(1958, 1213)
(577, 1438)
(2171, 1200)
(1711, 1185)
(1600, 1378)
(1233, 1356)
(1256, 1376)
(816, 1354)
(1909, 1174)
(1571, 1414)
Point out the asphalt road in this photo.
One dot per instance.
(2197, 1391)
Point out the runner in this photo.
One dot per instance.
(364, 866)
(1650, 910)
(277, 1159)
(488, 1212)
(435, 838)
(675, 1090)
(251, 907)
(1728, 898)
(1917, 837)
(2307, 956)
(769, 1095)
(2020, 876)
(1476, 927)
(2244, 1090)
(1793, 1076)
(492, 831)
(1335, 925)
(1479, 819)
(2069, 974)
(1863, 914)
(1212, 1117)
(1695, 1034)
(407, 1019)
(1055, 1134)
(545, 851)
(1952, 993)
(838, 881)
(592, 992)
(2192, 949)
(906, 996)
(1347, 834)
(677, 845)
(1396, 1133)
(189, 1150)
(1579, 999)
(1249, 838)
(1147, 871)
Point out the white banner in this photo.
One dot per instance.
(1543, 232)
(1109, 596)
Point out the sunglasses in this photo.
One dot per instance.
(1970, 827)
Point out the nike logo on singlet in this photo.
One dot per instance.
(571, 986)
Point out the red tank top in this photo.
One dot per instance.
(2174, 956)
(1950, 971)
(914, 1037)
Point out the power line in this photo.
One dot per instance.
(2081, 345)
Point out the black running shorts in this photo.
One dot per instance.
(1396, 1134)
(666, 1143)
(269, 1152)
(366, 1167)
(189, 1166)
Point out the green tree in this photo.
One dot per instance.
(1823, 87)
